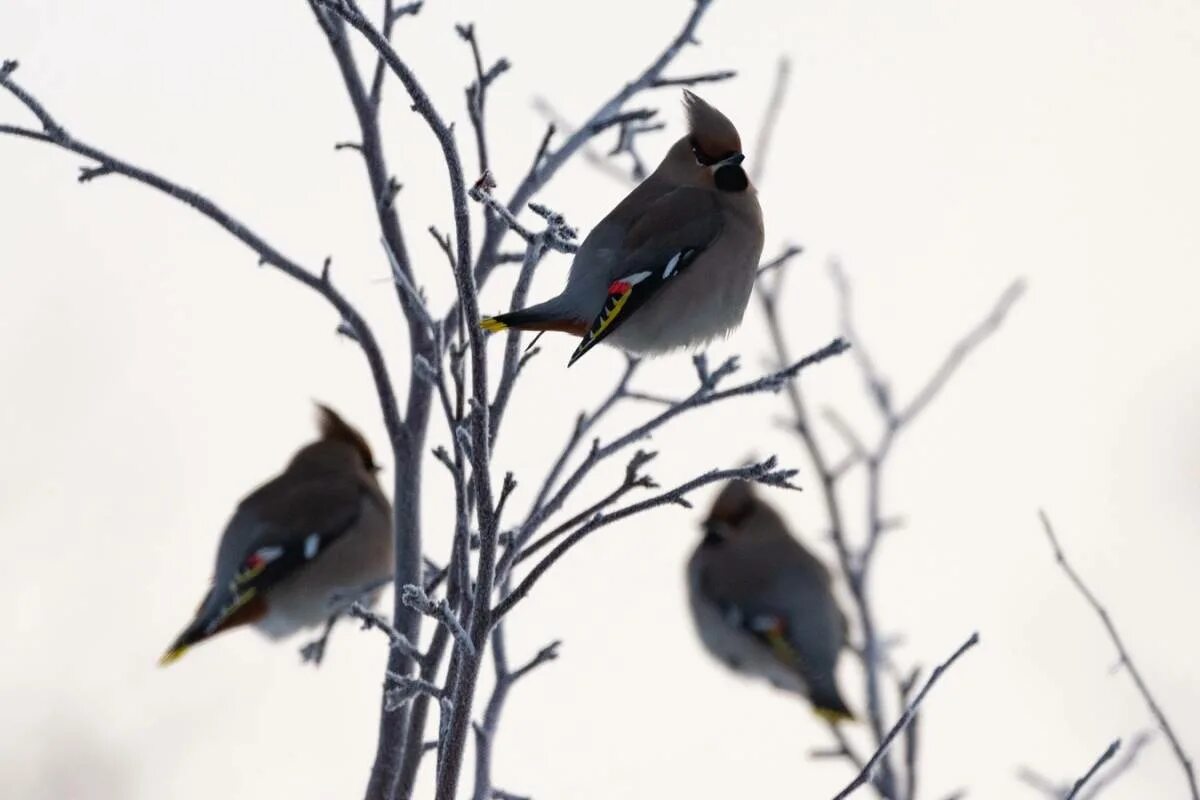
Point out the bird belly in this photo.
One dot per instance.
(739, 650)
(331, 582)
(704, 302)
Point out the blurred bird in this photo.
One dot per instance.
(673, 264)
(303, 545)
(762, 603)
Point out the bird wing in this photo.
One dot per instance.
(776, 606)
(288, 522)
(766, 625)
(274, 533)
(657, 248)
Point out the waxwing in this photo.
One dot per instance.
(303, 545)
(673, 264)
(762, 603)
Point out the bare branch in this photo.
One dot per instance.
(637, 115)
(372, 620)
(633, 479)
(544, 656)
(780, 260)
(477, 91)
(405, 10)
(413, 744)
(1129, 754)
(1105, 756)
(692, 80)
(590, 154)
(583, 425)
(906, 718)
(391, 15)
(858, 450)
(414, 597)
(557, 236)
(513, 360)
(1096, 783)
(762, 472)
(55, 134)
(405, 687)
(1041, 783)
(485, 732)
(500, 794)
(705, 394)
(548, 166)
(877, 387)
(958, 354)
(1156, 711)
(766, 128)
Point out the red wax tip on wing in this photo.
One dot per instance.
(619, 287)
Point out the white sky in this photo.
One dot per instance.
(153, 374)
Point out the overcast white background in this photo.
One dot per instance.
(152, 374)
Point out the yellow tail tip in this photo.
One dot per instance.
(833, 715)
(491, 324)
(171, 656)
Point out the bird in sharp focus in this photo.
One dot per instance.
(301, 547)
(762, 603)
(673, 264)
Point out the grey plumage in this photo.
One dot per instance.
(763, 604)
(312, 537)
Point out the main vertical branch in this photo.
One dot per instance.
(407, 482)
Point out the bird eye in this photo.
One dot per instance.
(702, 158)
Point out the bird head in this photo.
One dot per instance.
(710, 156)
(340, 445)
(732, 508)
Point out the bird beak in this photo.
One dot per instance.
(733, 161)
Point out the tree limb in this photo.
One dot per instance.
(906, 718)
(1126, 661)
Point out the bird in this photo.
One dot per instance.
(302, 546)
(762, 603)
(673, 264)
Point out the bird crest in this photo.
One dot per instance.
(713, 136)
(334, 427)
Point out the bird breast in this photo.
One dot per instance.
(707, 300)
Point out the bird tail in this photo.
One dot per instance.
(212, 618)
(829, 705)
(192, 634)
(548, 316)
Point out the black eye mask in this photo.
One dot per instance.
(703, 157)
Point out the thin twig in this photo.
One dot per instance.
(692, 80)
(763, 472)
(1156, 711)
(1129, 754)
(53, 133)
(554, 159)
(372, 620)
(633, 480)
(910, 711)
(766, 128)
(1105, 756)
(414, 597)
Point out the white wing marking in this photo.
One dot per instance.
(269, 554)
(672, 264)
(312, 543)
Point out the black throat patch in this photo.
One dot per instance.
(730, 178)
